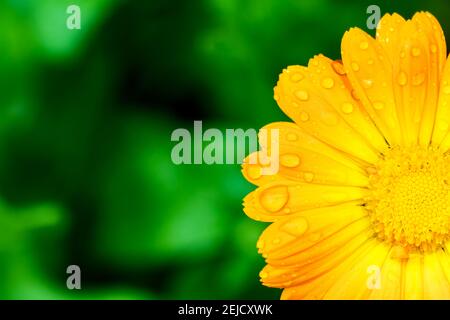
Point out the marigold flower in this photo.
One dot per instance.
(364, 178)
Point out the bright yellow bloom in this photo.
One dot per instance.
(364, 179)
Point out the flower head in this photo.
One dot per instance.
(364, 179)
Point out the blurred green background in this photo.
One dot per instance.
(85, 122)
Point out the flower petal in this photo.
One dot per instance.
(318, 287)
(370, 73)
(413, 283)
(353, 284)
(317, 260)
(436, 285)
(302, 98)
(296, 232)
(274, 200)
(303, 158)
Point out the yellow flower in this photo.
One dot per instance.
(360, 206)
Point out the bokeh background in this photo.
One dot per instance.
(85, 122)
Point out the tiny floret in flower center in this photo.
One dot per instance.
(409, 202)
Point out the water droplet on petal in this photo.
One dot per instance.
(355, 95)
(347, 107)
(367, 83)
(402, 78)
(302, 95)
(304, 116)
(254, 172)
(418, 79)
(378, 105)
(295, 227)
(296, 77)
(291, 137)
(446, 89)
(275, 198)
(355, 66)
(433, 48)
(370, 61)
(290, 160)
(276, 97)
(263, 274)
(415, 52)
(338, 68)
(276, 241)
(327, 83)
(308, 176)
(364, 45)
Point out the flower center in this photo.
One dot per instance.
(409, 201)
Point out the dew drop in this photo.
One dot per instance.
(338, 68)
(302, 95)
(364, 45)
(296, 77)
(304, 116)
(355, 95)
(418, 79)
(446, 89)
(433, 48)
(415, 52)
(276, 97)
(370, 61)
(402, 78)
(254, 172)
(290, 160)
(291, 137)
(275, 198)
(263, 274)
(355, 66)
(347, 107)
(276, 241)
(378, 105)
(295, 226)
(308, 176)
(367, 83)
(327, 83)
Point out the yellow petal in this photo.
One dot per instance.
(436, 285)
(413, 283)
(370, 73)
(353, 284)
(331, 84)
(301, 158)
(390, 279)
(441, 135)
(429, 39)
(319, 259)
(318, 287)
(294, 233)
(274, 200)
(303, 100)
(388, 33)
